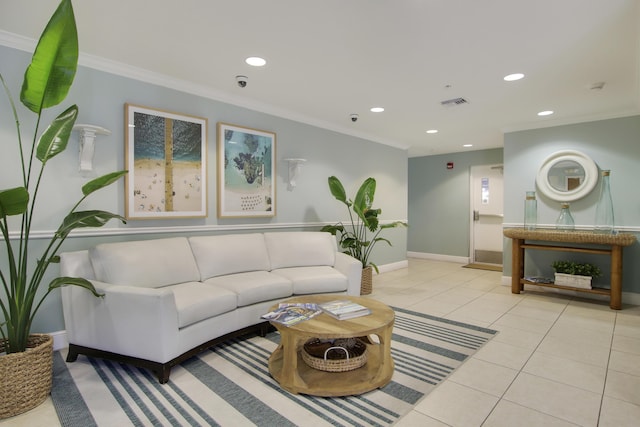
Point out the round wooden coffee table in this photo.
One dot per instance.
(294, 375)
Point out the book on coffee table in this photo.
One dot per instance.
(290, 314)
(344, 309)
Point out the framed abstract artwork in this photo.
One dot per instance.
(246, 172)
(166, 155)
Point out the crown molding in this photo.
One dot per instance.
(19, 42)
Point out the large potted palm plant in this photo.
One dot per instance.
(26, 358)
(361, 235)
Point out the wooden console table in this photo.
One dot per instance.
(608, 244)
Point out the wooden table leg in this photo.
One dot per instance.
(616, 278)
(517, 265)
(385, 371)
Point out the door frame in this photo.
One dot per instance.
(472, 255)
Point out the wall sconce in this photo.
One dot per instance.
(294, 171)
(87, 145)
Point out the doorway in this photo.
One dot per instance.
(487, 202)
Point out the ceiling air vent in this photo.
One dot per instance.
(453, 102)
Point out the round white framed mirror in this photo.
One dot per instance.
(567, 175)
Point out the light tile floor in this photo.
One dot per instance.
(557, 361)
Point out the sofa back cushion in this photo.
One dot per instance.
(229, 254)
(300, 248)
(145, 263)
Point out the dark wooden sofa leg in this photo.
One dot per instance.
(72, 355)
(163, 373)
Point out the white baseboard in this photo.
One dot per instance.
(393, 266)
(60, 340)
(439, 257)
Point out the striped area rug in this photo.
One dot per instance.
(230, 385)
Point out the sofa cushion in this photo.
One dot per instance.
(314, 280)
(228, 254)
(255, 286)
(196, 301)
(300, 248)
(147, 263)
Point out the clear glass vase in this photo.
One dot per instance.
(604, 221)
(530, 211)
(565, 220)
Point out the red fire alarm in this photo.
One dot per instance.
(449, 165)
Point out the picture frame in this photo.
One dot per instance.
(166, 156)
(246, 172)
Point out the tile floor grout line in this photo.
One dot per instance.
(606, 370)
(520, 371)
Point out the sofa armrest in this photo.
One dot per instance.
(138, 322)
(352, 268)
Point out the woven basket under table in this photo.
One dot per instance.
(332, 356)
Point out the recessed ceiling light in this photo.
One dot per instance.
(377, 110)
(255, 61)
(545, 113)
(432, 131)
(513, 77)
(468, 145)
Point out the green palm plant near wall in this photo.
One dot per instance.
(359, 237)
(46, 84)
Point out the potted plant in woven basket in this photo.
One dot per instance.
(575, 274)
(360, 236)
(26, 358)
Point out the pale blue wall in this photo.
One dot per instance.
(101, 97)
(439, 198)
(439, 201)
(612, 144)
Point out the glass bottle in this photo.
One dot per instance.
(604, 209)
(530, 211)
(565, 220)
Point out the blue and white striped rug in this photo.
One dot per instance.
(230, 385)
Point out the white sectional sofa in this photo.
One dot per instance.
(167, 299)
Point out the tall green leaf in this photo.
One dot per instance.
(337, 190)
(94, 218)
(48, 78)
(101, 182)
(13, 201)
(59, 282)
(364, 199)
(54, 140)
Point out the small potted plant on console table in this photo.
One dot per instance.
(575, 274)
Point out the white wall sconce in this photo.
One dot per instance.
(87, 145)
(294, 171)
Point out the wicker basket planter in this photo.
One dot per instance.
(573, 280)
(340, 356)
(25, 377)
(366, 283)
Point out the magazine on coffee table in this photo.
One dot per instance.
(289, 314)
(344, 309)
